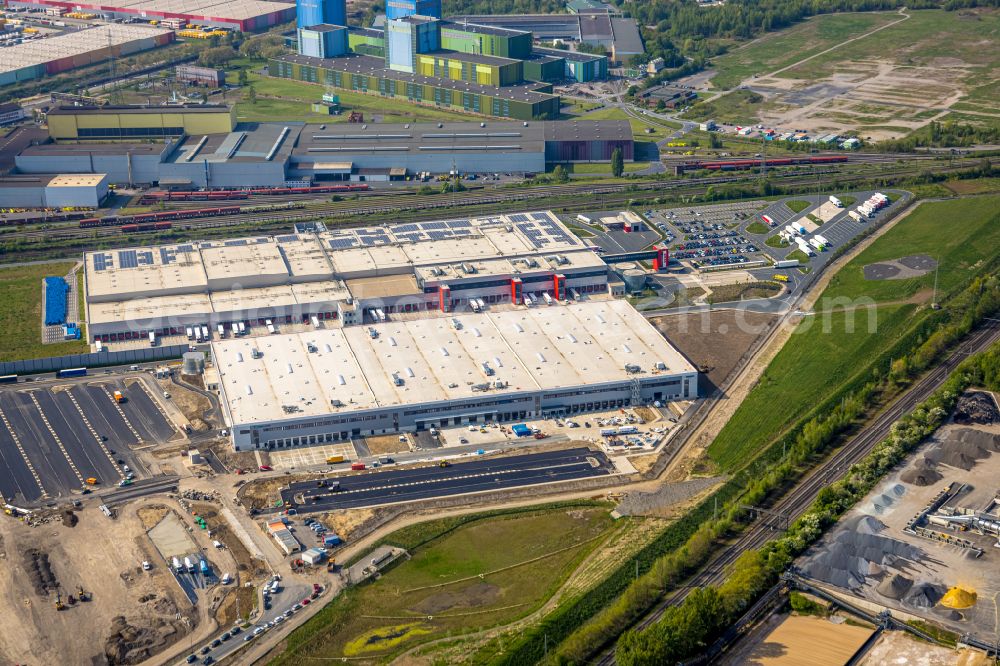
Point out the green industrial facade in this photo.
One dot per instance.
(500, 103)
(473, 39)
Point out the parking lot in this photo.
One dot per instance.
(838, 230)
(710, 235)
(54, 437)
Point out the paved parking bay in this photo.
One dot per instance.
(408, 484)
(144, 415)
(103, 415)
(55, 437)
(17, 479)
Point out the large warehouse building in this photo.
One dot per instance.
(333, 384)
(243, 15)
(203, 146)
(346, 275)
(54, 55)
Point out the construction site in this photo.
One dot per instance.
(924, 543)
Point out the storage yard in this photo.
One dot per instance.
(35, 59)
(922, 543)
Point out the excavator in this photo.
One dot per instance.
(59, 602)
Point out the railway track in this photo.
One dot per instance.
(797, 500)
(411, 202)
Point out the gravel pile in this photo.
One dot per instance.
(964, 448)
(886, 500)
(924, 595)
(859, 551)
(976, 407)
(895, 586)
(922, 473)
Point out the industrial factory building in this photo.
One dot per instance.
(54, 191)
(346, 275)
(202, 146)
(53, 55)
(620, 36)
(332, 384)
(243, 15)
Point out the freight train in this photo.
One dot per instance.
(736, 165)
(212, 195)
(170, 215)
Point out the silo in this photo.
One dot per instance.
(633, 276)
(194, 363)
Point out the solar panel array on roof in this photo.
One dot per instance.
(127, 259)
(287, 239)
(102, 262)
(185, 248)
(166, 256)
(459, 224)
(434, 225)
(519, 217)
(145, 258)
(342, 243)
(234, 243)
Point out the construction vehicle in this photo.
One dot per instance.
(59, 602)
(780, 278)
(82, 595)
(119, 397)
(91, 481)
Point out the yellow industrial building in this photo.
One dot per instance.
(131, 123)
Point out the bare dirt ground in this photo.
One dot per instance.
(385, 444)
(901, 649)
(131, 615)
(716, 340)
(192, 404)
(800, 639)
(345, 523)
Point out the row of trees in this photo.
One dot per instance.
(938, 134)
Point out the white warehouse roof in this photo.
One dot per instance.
(530, 349)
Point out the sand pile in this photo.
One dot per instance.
(959, 597)
(922, 473)
(856, 552)
(895, 586)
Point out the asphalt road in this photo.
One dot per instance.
(281, 603)
(401, 485)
